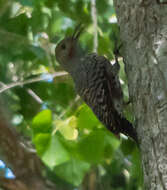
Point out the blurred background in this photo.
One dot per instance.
(78, 152)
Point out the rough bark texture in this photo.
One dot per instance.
(25, 164)
(143, 29)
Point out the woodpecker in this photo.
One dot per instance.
(97, 82)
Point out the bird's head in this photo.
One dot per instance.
(68, 49)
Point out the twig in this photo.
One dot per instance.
(70, 106)
(29, 81)
(34, 95)
(30, 92)
(62, 114)
(94, 19)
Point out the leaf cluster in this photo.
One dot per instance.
(68, 138)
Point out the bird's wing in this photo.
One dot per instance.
(99, 91)
(104, 95)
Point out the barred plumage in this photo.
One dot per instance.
(97, 82)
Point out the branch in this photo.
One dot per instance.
(94, 19)
(34, 95)
(29, 81)
(70, 106)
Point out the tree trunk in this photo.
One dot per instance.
(143, 30)
(24, 163)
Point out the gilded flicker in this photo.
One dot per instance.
(97, 82)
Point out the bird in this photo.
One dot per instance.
(97, 82)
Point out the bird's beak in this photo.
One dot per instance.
(77, 32)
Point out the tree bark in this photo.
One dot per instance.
(143, 30)
(24, 163)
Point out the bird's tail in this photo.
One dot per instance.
(127, 128)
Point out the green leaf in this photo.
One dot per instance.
(105, 46)
(42, 122)
(39, 20)
(56, 153)
(63, 93)
(72, 171)
(102, 6)
(26, 3)
(127, 147)
(38, 52)
(91, 148)
(68, 128)
(114, 33)
(136, 170)
(112, 140)
(41, 142)
(86, 118)
(20, 21)
(111, 145)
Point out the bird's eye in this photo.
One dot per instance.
(63, 46)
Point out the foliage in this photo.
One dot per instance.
(69, 139)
